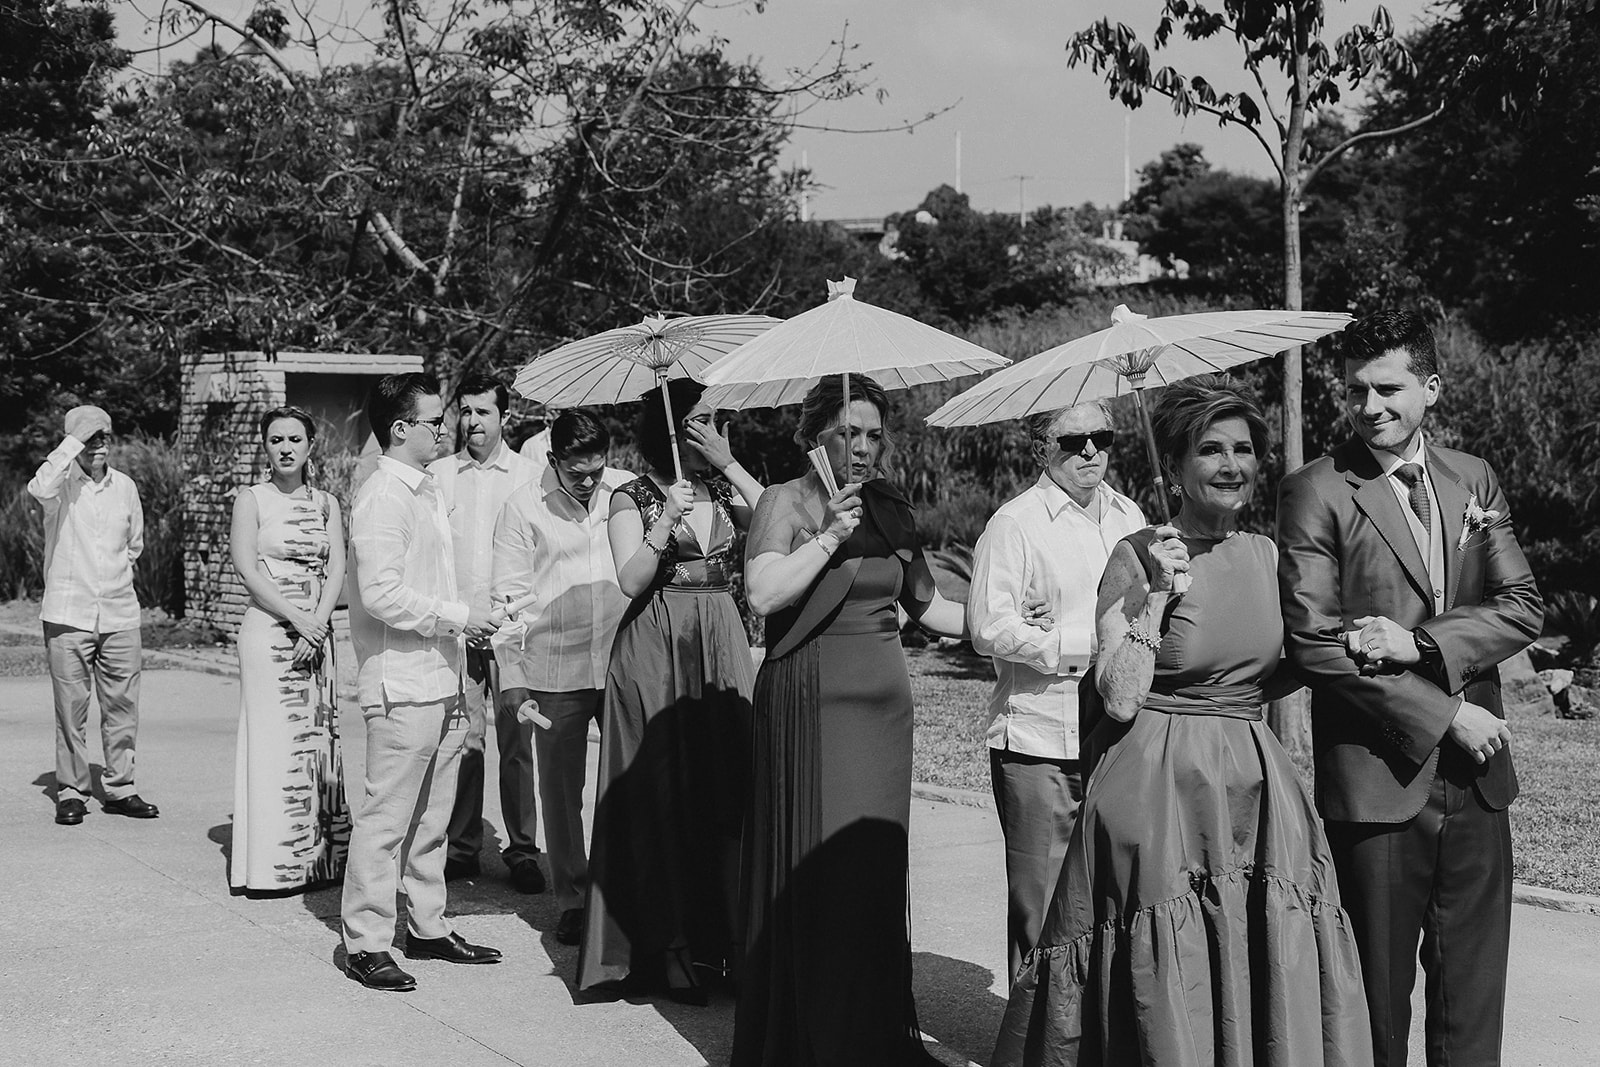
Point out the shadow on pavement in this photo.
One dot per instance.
(47, 783)
(955, 1004)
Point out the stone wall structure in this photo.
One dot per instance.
(224, 396)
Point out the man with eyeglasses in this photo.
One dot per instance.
(552, 542)
(1031, 609)
(93, 533)
(407, 623)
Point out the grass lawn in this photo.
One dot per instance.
(1555, 823)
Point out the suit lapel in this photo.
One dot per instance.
(1452, 497)
(1376, 499)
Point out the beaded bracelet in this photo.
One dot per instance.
(651, 545)
(1140, 636)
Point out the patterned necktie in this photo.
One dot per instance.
(1411, 474)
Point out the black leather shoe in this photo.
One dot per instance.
(452, 948)
(526, 877)
(70, 812)
(133, 807)
(457, 869)
(569, 928)
(378, 970)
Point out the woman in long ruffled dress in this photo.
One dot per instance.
(1197, 918)
(291, 824)
(662, 914)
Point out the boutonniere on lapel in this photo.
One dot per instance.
(1476, 520)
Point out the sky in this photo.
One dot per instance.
(1031, 131)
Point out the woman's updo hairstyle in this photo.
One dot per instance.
(650, 433)
(824, 406)
(1188, 408)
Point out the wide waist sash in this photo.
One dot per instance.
(872, 624)
(1242, 701)
(699, 574)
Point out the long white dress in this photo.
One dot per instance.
(291, 824)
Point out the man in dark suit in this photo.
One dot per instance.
(1403, 587)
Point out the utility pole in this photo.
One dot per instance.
(1022, 215)
(805, 189)
(1127, 157)
(958, 161)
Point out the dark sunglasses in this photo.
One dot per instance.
(1072, 443)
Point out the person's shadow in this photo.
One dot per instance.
(52, 791)
(955, 1004)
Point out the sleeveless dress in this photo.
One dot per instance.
(1197, 918)
(662, 906)
(291, 824)
(827, 976)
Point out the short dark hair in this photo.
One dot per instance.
(1369, 337)
(394, 397)
(578, 432)
(824, 404)
(289, 411)
(478, 384)
(650, 434)
(1189, 407)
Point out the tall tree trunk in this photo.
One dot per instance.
(1290, 718)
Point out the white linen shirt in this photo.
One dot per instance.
(1041, 545)
(406, 618)
(548, 543)
(93, 533)
(473, 495)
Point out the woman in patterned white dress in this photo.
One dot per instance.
(291, 825)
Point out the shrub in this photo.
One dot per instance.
(156, 467)
(21, 541)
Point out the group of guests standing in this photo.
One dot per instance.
(1173, 895)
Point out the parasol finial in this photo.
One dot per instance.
(845, 289)
(1121, 315)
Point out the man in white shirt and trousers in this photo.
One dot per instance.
(552, 543)
(475, 483)
(93, 533)
(1050, 543)
(407, 623)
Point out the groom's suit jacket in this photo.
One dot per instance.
(1347, 551)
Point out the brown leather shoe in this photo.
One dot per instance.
(452, 948)
(70, 812)
(378, 970)
(133, 806)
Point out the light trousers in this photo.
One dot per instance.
(401, 817)
(111, 662)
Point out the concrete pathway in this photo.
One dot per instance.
(123, 943)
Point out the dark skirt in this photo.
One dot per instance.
(827, 978)
(1197, 919)
(662, 908)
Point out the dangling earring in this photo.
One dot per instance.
(1175, 489)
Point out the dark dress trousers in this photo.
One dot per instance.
(1418, 830)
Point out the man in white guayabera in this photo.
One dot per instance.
(1031, 609)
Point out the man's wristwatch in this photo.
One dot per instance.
(1427, 649)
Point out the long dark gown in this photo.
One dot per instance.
(662, 910)
(827, 976)
(1197, 917)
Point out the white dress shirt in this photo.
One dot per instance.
(473, 494)
(536, 450)
(93, 532)
(548, 543)
(1041, 545)
(406, 618)
(1430, 541)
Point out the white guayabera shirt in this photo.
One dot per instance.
(406, 619)
(473, 494)
(1041, 545)
(93, 533)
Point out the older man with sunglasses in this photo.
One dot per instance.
(1031, 609)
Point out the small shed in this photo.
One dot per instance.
(224, 396)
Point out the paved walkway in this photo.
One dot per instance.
(123, 944)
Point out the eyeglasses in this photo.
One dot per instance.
(436, 425)
(1072, 443)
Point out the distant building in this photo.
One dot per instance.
(1137, 268)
